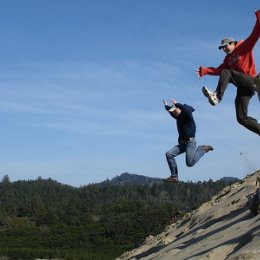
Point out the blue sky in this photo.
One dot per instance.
(82, 84)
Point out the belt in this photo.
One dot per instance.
(186, 140)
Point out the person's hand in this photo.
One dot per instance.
(198, 72)
(173, 101)
(165, 102)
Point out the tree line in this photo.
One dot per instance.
(46, 219)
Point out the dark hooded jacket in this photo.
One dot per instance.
(185, 122)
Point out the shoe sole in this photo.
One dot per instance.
(211, 102)
(205, 92)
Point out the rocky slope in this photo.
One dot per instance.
(221, 229)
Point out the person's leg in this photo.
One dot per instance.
(214, 97)
(223, 81)
(194, 153)
(241, 104)
(239, 79)
(170, 157)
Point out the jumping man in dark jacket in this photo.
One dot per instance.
(186, 141)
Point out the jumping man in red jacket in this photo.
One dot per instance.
(239, 69)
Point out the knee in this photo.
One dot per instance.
(168, 154)
(189, 163)
(241, 120)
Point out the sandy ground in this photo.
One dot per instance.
(221, 229)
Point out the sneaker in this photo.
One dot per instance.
(207, 148)
(171, 179)
(211, 95)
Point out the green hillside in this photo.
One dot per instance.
(45, 219)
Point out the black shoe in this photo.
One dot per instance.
(171, 179)
(207, 148)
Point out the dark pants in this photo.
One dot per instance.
(245, 91)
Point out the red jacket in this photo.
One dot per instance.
(241, 59)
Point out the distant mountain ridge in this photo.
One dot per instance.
(131, 178)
